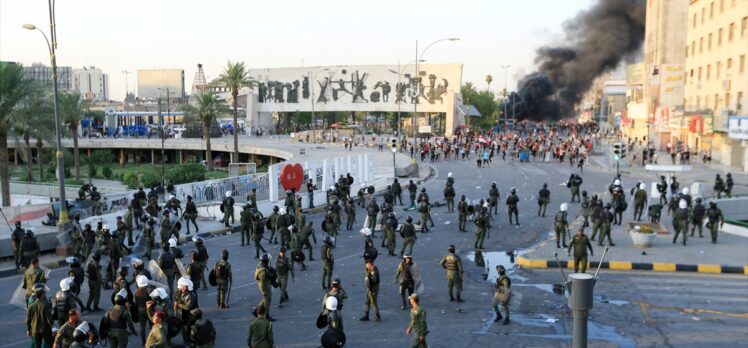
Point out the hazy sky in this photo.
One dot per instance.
(135, 34)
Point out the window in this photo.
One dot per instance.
(698, 102)
(719, 37)
(741, 68)
(727, 99)
(730, 31)
(743, 26)
(694, 20)
(701, 44)
(738, 105)
(693, 48)
(686, 51)
(691, 72)
(716, 101)
(729, 63)
(721, 6)
(711, 10)
(699, 76)
(719, 68)
(709, 42)
(706, 100)
(703, 15)
(708, 71)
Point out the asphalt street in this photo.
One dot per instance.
(635, 309)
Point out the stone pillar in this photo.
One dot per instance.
(153, 156)
(179, 157)
(367, 168)
(122, 159)
(338, 168)
(348, 164)
(360, 173)
(325, 175)
(273, 182)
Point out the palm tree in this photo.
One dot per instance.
(28, 114)
(234, 77)
(206, 109)
(489, 79)
(13, 87)
(71, 107)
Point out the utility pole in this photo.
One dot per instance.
(580, 301)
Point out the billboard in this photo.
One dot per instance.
(671, 85)
(737, 127)
(635, 74)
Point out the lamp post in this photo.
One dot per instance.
(127, 85)
(394, 164)
(505, 67)
(162, 134)
(63, 219)
(399, 73)
(418, 92)
(313, 78)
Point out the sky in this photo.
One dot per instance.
(136, 34)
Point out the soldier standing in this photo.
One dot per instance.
(33, 275)
(184, 303)
(202, 331)
(283, 223)
(350, 213)
(408, 233)
(93, 270)
(728, 185)
(640, 201)
(412, 190)
(680, 221)
(202, 261)
(310, 188)
(618, 202)
(95, 197)
(662, 189)
(149, 234)
(158, 335)
(585, 209)
(274, 225)
(167, 263)
(306, 232)
(64, 337)
(698, 212)
(462, 211)
(405, 277)
(190, 214)
(397, 192)
(260, 331)
(89, 240)
(16, 238)
(388, 226)
(119, 320)
(337, 292)
(140, 298)
(385, 209)
(39, 317)
(719, 186)
(502, 294)
(580, 244)
(371, 211)
(258, 230)
(328, 260)
(511, 203)
(165, 228)
(607, 220)
(245, 221)
(482, 223)
(544, 197)
(77, 238)
(252, 197)
(598, 215)
(561, 223)
(575, 181)
(222, 271)
(417, 326)
(716, 220)
(262, 276)
(423, 210)
(453, 265)
(371, 283)
(336, 211)
(283, 266)
(493, 199)
(29, 248)
(449, 196)
(228, 209)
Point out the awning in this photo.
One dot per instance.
(469, 110)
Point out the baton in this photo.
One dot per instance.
(228, 294)
(601, 262)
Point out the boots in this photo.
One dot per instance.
(498, 317)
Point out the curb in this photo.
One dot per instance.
(637, 266)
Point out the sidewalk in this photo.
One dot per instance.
(729, 255)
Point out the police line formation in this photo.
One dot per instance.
(162, 311)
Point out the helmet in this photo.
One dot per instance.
(142, 281)
(514, 190)
(500, 269)
(166, 212)
(684, 191)
(584, 193)
(683, 204)
(449, 175)
(159, 293)
(105, 227)
(282, 211)
(72, 260)
(366, 231)
(642, 186)
(121, 297)
(39, 289)
(275, 208)
(197, 240)
(96, 256)
(265, 258)
(607, 205)
(545, 185)
(189, 198)
(329, 240)
(564, 207)
(407, 256)
(136, 262)
(409, 219)
(336, 281)
(185, 282)
(493, 184)
(81, 332)
(712, 204)
(123, 270)
(617, 182)
(65, 283)
(423, 189)
(225, 254)
(462, 198)
(18, 224)
(331, 303)
(228, 194)
(152, 221)
(392, 215)
(451, 248)
(172, 242)
(698, 199)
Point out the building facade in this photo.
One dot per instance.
(153, 83)
(91, 83)
(716, 75)
(43, 74)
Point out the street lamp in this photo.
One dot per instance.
(418, 92)
(313, 78)
(505, 67)
(399, 73)
(394, 152)
(63, 219)
(162, 134)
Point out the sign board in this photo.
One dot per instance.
(737, 127)
(424, 129)
(668, 167)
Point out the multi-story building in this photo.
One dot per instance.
(43, 74)
(91, 83)
(153, 83)
(716, 88)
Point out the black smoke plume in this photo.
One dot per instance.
(597, 40)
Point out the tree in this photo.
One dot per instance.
(13, 87)
(489, 79)
(207, 109)
(234, 77)
(30, 113)
(484, 101)
(71, 108)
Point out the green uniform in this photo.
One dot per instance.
(598, 215)
(119, 321)
(716, 220)
(222, 270)
(258, 230)
(273, 227)
(449, 196)
(388, 226)
(580, 244)
(245, 220)
(203, 334)
(93, 271)
(560, 224)
(29, 250)
(423, 211)
(544, 197)
(407, 283)
(371, 282)
(148, 233)
(284, 221)
(307, 232)
(419, 328)
(33, 275)
(501, 287)
(262, 276)
(165, 230)
(283, 266)
(493, 200)
(697, 214)
(252, 198)
(157, 338)
(190, 216)
(228, 210)
(16, 239)
(453, 264)
(350, 213)
(640, 201)
(260, 333)
(77, 238)
(680, 223)
(606, 224)
(64, 337)
(372, 210)
(408, 232)
(39, 321)
(511, 203)
(462, 211)
(482, 221)
(328, 264)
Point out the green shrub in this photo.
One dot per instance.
(92, 170)
(106, 171)
(131, 180)
(150, 179)
(186, 173)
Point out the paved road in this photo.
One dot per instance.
(451, 324)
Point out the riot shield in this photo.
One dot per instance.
(173, 326)
(415, 272)
(371, 254)
(156, 272)
(180, 267)
(333, 338)
(322, 320)
(212, 277)
(19, 295)
(298, 256)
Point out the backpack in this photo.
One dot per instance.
(206, 333)
(220, 270)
